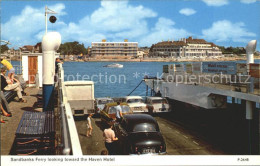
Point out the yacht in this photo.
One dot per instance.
(114, 65)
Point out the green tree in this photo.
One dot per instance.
(4, 48)
(72, 48)
(233, 50)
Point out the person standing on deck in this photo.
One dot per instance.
(110, 139)
(119, 114)
(9, 67)
(89, 126)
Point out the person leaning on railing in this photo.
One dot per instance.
(9, 67)
(13, 86)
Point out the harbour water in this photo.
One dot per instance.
(112, 82)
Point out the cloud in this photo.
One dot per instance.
(164, 30)
(25, 27)
(248, 1)
(187, 11)
(225, 31)
(216, 2)
(112, 20)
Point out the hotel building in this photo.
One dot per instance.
(105, 48)
(184, 48)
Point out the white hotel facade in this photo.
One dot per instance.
(184, 48)
(104, 48)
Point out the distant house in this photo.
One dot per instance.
(32, 49)
(13, 53)
(27, 49)
(38, 48)
(184, 48)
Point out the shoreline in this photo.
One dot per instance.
(164, 60)
(160, 60)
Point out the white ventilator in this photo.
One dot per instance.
(50, 44)
(250, 50)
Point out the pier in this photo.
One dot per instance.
(226, 90)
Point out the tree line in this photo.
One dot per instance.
(232, 50)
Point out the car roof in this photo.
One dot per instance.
(133, 119)
(133, 97)
(115, 104)
(104, 98)
(137, 118)
(155, 98)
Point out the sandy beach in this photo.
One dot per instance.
(165, 59)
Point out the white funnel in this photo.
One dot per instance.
(250, 50)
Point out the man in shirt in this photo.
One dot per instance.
(110, 137)
(119, 114)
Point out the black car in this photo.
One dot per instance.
(139, 134)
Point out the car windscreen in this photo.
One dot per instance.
(144, 127)
(104, 101)
(159, 101)
(125, 109)
(134, 101)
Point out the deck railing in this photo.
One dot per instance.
(18, 69)
(241, 83)
(69, 142)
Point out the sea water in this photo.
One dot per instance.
(115, 82)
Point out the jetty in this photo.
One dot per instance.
(216, 86)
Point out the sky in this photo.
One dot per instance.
(223, 22)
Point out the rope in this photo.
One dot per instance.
(135, 88)
(34, 140)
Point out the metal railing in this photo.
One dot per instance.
(18, 69)
(65, 137)
(69, 141)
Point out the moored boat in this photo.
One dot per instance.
(114, 65)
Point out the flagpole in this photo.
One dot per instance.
(47, 11)
(46, 8)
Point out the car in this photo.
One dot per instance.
(136, 103)
(108, 114)
(157, 105)
(139, 134)
(101, 102)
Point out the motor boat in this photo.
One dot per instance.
(114, 65)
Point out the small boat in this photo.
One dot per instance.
(114, 65)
